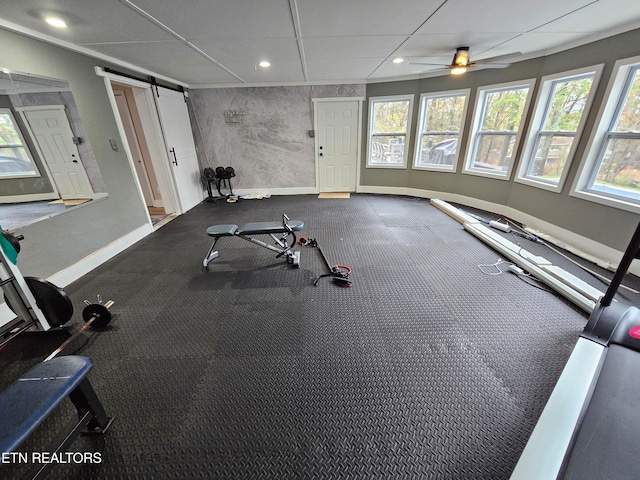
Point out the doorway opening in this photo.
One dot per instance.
(127, 108)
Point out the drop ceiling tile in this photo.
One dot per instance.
(341, 69)
(595, 18)
(151, 53)
(250, 50)
(317, 48)
(279, 71)
(202, 19)
(497, 15)
(362, 17)
(193, 75)
(88, 21)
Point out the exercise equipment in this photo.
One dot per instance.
(221, 176)
(588, 429)
(18, 294)
(95, 315)
(26, 403)
(340, 273)
(38, 303)
(285, 229)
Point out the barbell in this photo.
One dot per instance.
(94, 315)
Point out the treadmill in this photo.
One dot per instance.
(590, 427)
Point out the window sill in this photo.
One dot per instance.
(604, 200)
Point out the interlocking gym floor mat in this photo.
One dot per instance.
(426, 368)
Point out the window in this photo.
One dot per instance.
(611, 171)
(497, 118)
(556, 125)
(441, 120)
(15, 160)
(389, 125)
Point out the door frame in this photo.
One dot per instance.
(153, 135)
(318, 100)
(136, 143)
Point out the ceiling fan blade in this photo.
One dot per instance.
(481, 66)
(499, 59)
(410, 62)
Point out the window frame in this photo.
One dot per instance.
(594, 149)
(540, 111)
(478, 117)
(424, 97)
(24, 145)
(407, 134)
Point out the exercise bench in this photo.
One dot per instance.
(27, 402)
(284, 248)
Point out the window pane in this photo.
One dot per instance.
(567, 103)
(442, 122)
(629, 118)
(387, 149)
(619, 172)
(503, 109)
(550, 157)
(390, 117)
(494, 152)
(14, 159)
(438, 150)
(8, 132)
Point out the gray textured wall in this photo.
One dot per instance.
(610, 226)
(270, 147)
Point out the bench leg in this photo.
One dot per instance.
(211, 255)
(85, 400)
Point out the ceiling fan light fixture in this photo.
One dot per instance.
(458, 70)
(461, 58)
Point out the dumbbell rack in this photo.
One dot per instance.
(19, 296)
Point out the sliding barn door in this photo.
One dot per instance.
(176, 126)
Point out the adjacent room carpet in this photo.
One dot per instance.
(426, 368)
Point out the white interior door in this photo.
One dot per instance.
(54, 137)
(337, 154)
(174, 117)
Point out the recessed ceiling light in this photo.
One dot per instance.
(398, 60)
(264, 64)
(56, 22)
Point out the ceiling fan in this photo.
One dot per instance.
(461, 62)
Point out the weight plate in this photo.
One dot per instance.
(100, 312)
(12, 239)
(52, 300)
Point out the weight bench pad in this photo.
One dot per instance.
(258, 228)
(226, 230)
(26, 403)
